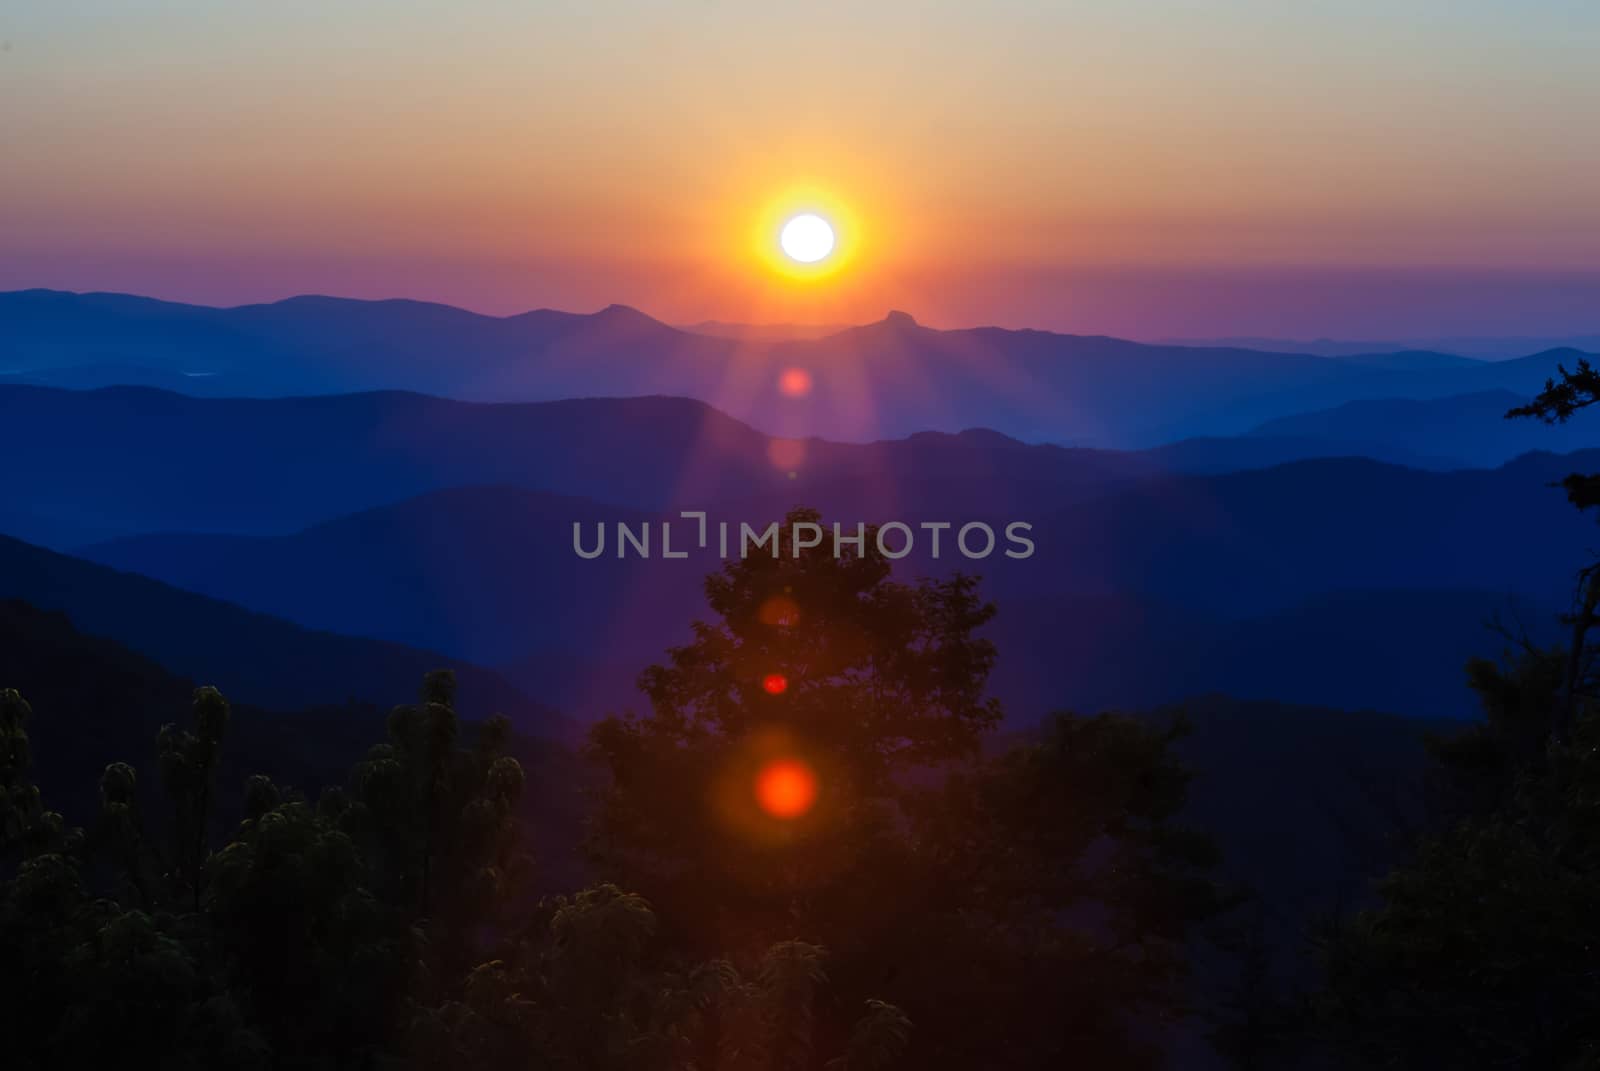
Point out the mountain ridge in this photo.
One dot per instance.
(252, 656)
(883, 379)
(119, 461)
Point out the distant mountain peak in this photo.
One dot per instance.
(625, 314)
(897, 318)
(979, 437)
(988, 437)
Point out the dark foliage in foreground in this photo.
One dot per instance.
(1026, 909)
(379, 926)
(390, 921)
(1482, 950)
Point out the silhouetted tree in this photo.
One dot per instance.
(121, 831)
(583, 987)
(285, 954)
(1042, 891)
(1556, 404)
(87, 981)
(26, 826)
(439, 822)
(1054, 875)
(326, 967)
(878, 1040)
(1255, 1022)
(1481, 952)
(188, 766)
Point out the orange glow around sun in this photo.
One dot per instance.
(786, 788)
(767, 234)
(739, 239)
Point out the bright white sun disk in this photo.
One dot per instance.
(806, 238)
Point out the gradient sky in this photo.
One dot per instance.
(1352, 169)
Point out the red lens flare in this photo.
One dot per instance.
(795, 382)
(786, 788)
(775, 683)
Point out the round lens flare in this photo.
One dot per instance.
(779, 611)
(786, 454)
(795, 382)
(807, 238)
(775, 683)
(786, 788)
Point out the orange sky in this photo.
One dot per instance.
(506, 155)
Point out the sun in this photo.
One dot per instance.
(804, 235)
(806, 238)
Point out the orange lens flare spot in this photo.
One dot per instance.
(786, 454)
(786, 788)
(795, 382)
(775, 683)
(780, 611)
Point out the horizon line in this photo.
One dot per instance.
(699, 327)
